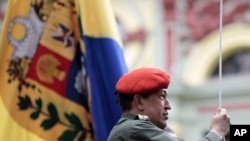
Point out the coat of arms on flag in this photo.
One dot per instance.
(59, 64)
(40, 71)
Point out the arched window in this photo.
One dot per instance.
(237, 64)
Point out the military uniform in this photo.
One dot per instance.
(138, 128)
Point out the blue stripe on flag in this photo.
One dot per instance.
(105, 64)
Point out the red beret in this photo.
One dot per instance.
(142, 80)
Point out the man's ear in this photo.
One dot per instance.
(138, 102)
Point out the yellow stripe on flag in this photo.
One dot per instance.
(98, 20)
(11, 131)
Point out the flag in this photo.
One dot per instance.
(45, 84)
(104, 62)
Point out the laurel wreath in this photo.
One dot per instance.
(75, 127)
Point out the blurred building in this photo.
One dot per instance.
(182, 37)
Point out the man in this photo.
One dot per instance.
(143, 97)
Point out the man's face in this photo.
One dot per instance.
(156, 107)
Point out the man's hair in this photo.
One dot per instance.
(125, 100)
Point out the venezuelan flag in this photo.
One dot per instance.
(43, 87)
(104, 62)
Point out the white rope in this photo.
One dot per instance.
(220, 60)
(220, 56)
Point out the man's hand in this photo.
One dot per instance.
(220, 123)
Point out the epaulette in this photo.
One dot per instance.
(142, 117)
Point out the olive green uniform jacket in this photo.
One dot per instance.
(134, 128)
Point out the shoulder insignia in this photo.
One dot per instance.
(142, 117)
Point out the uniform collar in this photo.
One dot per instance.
(129, 116)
